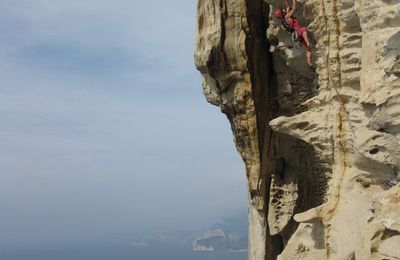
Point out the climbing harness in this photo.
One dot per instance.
(291, 28)
(294, 38)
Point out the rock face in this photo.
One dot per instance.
(321, 148)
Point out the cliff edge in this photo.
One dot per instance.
(321, 147)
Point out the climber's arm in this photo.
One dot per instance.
(287, 7)
(292, 11)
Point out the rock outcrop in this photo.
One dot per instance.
(321, 148)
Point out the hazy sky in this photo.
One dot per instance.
(103, 125)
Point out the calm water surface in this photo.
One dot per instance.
(111, 251)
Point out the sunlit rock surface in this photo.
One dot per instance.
(321, 148)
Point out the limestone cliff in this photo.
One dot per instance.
(321, 148)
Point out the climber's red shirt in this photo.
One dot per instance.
(294, 23)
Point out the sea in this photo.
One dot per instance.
(110, 251)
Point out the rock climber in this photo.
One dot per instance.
(292, 25)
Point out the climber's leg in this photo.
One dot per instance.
(308, 55)
(302, 35)
(305, 37)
